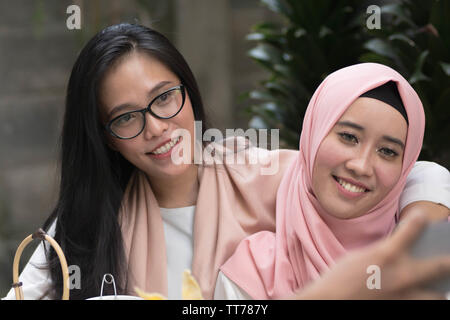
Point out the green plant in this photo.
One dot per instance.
(316, 38)
(415, 40)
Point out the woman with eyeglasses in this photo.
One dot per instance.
(125, 207)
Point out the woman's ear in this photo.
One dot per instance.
(108, 140)
(111, 145)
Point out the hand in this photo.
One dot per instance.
(401, 275)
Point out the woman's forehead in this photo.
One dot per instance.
(136, 68)
(375, 116)
(134, 80)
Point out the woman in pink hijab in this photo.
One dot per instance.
(127, 208)
(343, 189)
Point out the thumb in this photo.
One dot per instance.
(408, 230)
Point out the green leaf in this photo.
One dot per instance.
(268, 116)
(258, 123)
(300, 32)
(445, 67)
(260, 95)
(325, 31)
(381, 47)
(278, 6)
(269, 38)
(265, 27)
(402, 37)
(418, 75)
(264, 52)
(256, 36)
(284, 70)
(399, 11)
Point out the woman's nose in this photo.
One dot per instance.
(361, 164)
(154, 127)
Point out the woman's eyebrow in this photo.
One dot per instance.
(394, 140)
(156, 88)
(129, 105)
(121, 107)
(361, 128)
(350, 124)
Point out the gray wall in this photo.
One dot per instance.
(37, 52)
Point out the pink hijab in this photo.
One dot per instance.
(271, 265)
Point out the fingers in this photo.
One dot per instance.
(407, 231)
(420, 294)
(428, 270)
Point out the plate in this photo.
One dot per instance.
(118, 297)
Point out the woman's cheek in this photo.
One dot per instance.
(388, 175)
(331, 153)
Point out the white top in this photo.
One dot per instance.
(35, 281)
(178, 228)
(427, 181)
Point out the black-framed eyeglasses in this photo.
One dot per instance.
(165, 106)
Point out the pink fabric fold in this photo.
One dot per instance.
(234, 201)
(308, 241)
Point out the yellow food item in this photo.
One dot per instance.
(149, 296)
(190, 290)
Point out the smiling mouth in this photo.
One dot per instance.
(349, 186)
(166, 147)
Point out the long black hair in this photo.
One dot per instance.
(94, 177)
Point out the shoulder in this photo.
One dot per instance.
(238, 155)
(427, 181)
(430, 168)
(428, 173)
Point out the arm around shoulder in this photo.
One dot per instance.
(427, 189)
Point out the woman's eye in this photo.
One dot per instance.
(164, 98)
(388, 152)
(125, 118)
(348, 137)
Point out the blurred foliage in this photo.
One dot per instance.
(318, 37)
(416, 43)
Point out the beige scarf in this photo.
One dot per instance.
(234, 201)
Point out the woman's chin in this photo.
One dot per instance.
(169, 171)
(344, 211)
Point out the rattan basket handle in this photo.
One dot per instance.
(41, 235)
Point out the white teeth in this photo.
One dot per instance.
(166, 147)
(350, 187)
